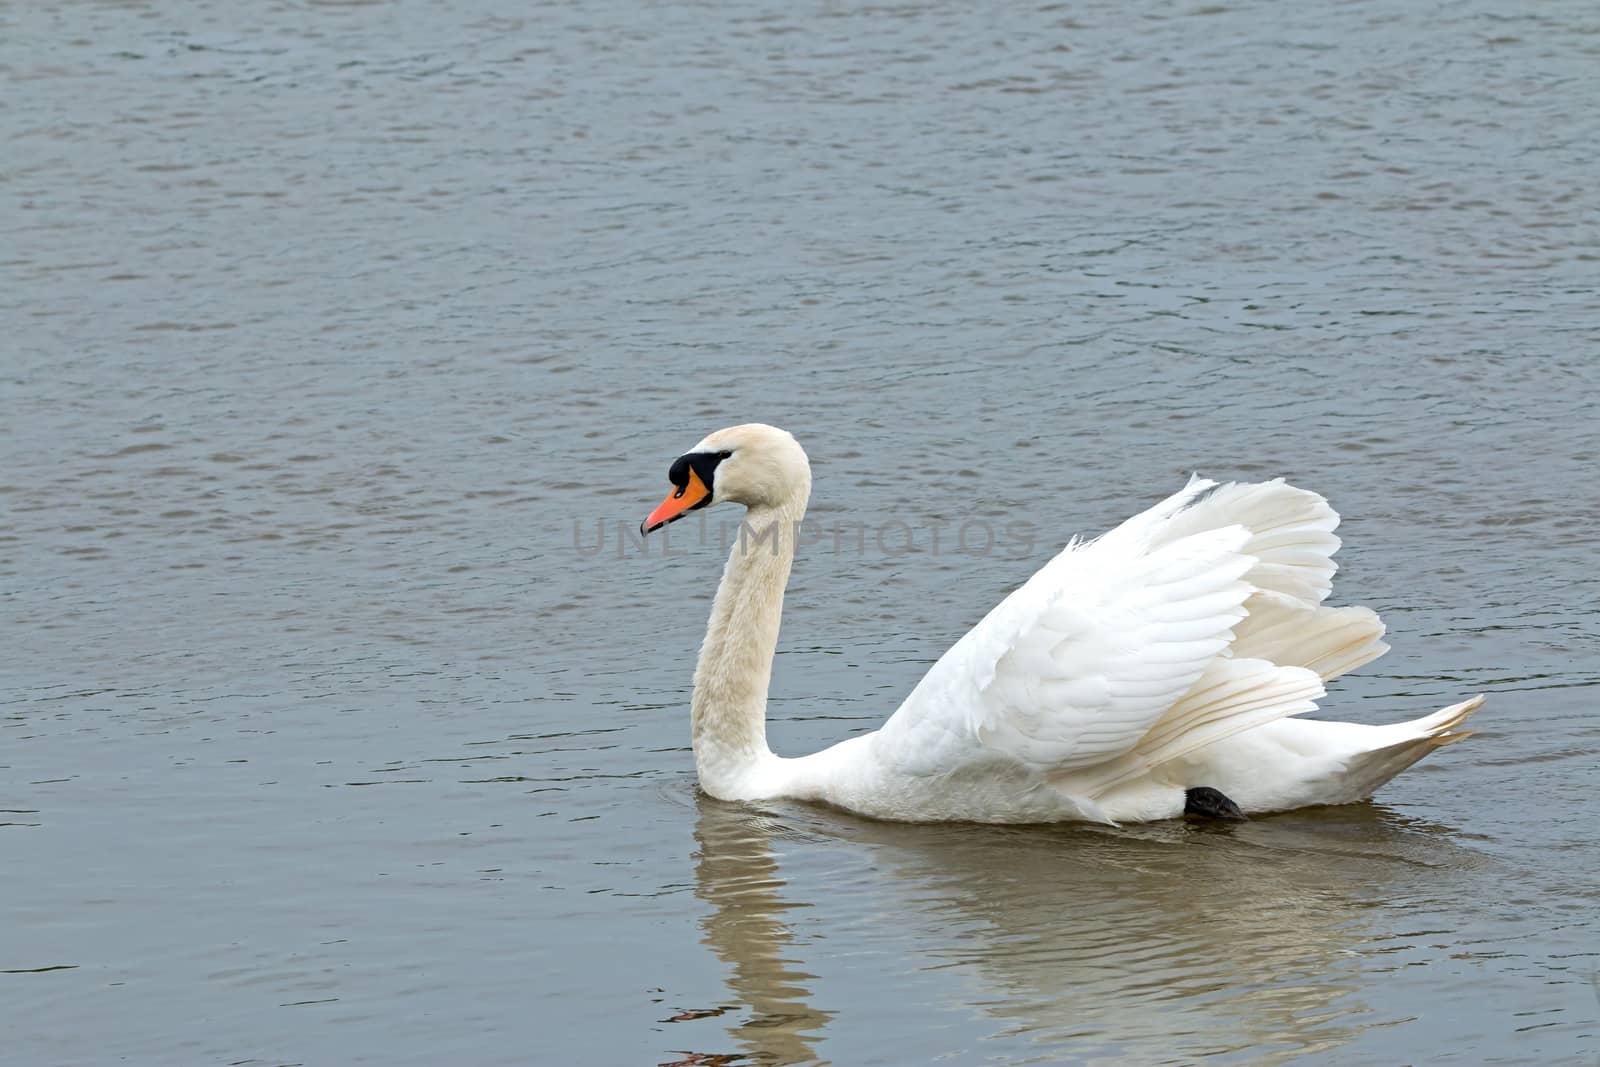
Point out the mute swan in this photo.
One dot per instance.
(1144, 675)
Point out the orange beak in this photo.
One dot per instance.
(691, 493)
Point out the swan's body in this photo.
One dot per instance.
(1165, 657)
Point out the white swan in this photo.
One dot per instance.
(1143, 675)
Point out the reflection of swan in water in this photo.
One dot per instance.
(1123, 945)
(736, 874)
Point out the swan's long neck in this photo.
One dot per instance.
(729, 709)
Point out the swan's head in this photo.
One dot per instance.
(754, 465)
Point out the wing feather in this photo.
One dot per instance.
(1076, 666)
(1115, 655)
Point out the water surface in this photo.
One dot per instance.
(333, 328)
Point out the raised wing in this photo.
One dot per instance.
(1190, 622)
(1078, 665)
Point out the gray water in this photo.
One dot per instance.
(333, 732)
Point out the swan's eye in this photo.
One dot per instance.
(702, 463)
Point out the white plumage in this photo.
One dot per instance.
(1167, 655)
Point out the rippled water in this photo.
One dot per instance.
(328, 736)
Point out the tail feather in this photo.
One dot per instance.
(1388, 750)
(1443, 727)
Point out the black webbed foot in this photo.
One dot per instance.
(1211, 803)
